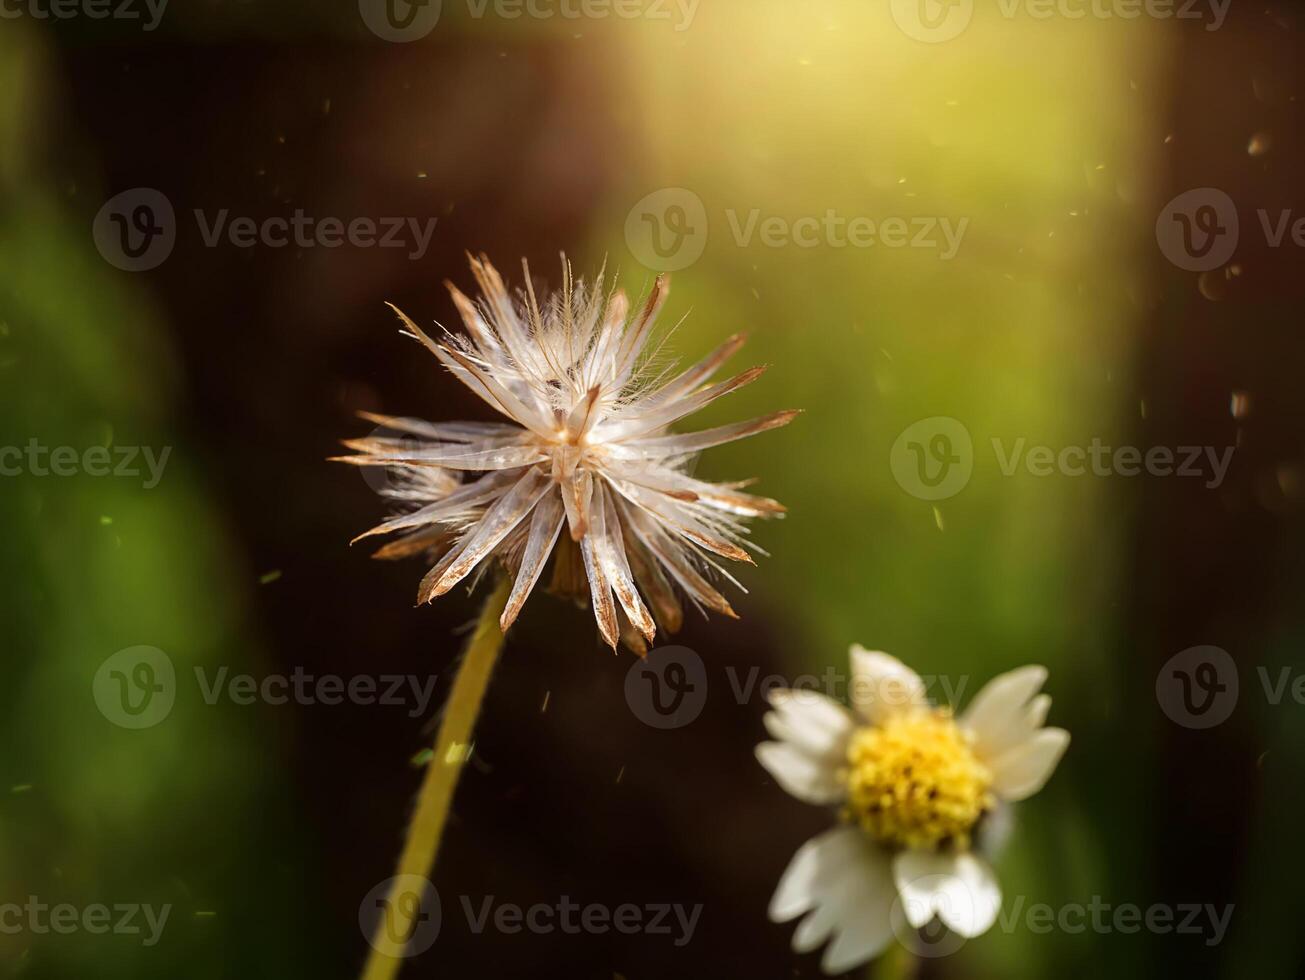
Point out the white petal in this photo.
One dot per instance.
(845, 881)
(999, 705)
(817, 724)
(882, 685)
(1016, 731)
(1020, 772)
(869, 929)
(960, 889)
(816, 863)
(810, 780)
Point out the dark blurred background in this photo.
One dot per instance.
(1062, 316)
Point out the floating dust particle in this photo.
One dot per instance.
(620, 775)
(756, 295)
(1239, 404)
(544, 707)
(21, 788)
(206, 915)
(1141, 407)
(804, 62)
(1213, 283)
(1169, 137)
(422, 175)
(422, 758)
(267, 578)
(280, 138)
(938, 518)
(105, 520)
(326, 107)
(1260, 144)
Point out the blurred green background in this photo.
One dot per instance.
(1052, 142)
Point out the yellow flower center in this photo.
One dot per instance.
(914, 781)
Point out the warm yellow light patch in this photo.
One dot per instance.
(915, 782)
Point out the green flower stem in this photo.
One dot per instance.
(896, 963)
(452, 746)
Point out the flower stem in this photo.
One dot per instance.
(896, 963)
(452, 748)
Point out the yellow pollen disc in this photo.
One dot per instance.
(914, 781)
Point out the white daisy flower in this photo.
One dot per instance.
(913, 785)
(586, 445)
